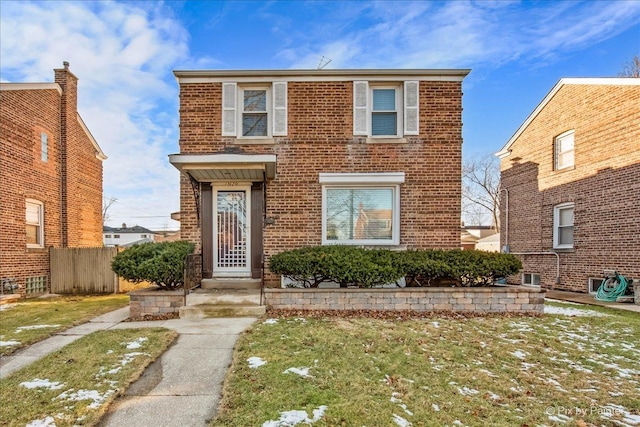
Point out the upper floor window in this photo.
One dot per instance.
(382, 110)
(34, 223)
(254, 111)
(44, 146)
(116, 236)
(107, 236)
(563, 226)
(144, 236)
(564, 154)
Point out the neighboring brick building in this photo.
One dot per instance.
(291, 158)
(572, 172)
(50, 178)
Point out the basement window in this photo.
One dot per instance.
(530, 279)
(594, 284)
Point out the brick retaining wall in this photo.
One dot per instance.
(513, 299)
(154, 301)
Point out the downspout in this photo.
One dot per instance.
(506, 248)
(264, 223)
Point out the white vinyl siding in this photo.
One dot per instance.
(34, 223)
(563, 217)
(385, 111)
(564, 150)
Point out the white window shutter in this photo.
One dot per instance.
(360, 108)
(411, 113)
(279, 108)
(229, 96)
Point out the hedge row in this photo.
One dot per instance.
(161, 263)
(354, 266)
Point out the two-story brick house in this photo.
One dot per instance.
(571, 180)
(50, 178)
(280, 159)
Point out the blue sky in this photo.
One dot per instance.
(124, 54)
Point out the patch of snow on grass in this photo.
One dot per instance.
(519, 354)
(435, 407)
(559, 418)
(568, 311)
(303, 372)
(4, 307)
(401, 421)
(562, 302)
(295, 417)
(38, 383)
(466, 391)
(270, 322)
(136, 343)
(9, 343)
(255, 362)
(93, 395)
(33, 327)
(47, 422)
(457, 423)
(436, 324)
(628, 419)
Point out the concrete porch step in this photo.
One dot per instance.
(224, 297)
(205, 311)
(231, 283)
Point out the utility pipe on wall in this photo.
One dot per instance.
(545, 253)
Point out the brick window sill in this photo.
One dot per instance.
(386, 140)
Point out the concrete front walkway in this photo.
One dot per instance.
(589, 299)
(183, 387)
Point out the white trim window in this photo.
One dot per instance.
(44, 147)
(563, 217)
(361, 208)
(254, 111)
(34, 223)
(530, 279)
(564, 156)
(385, 110)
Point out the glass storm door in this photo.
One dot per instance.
(232, 231)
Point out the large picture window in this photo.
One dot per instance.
(34, 224)
(358, 210)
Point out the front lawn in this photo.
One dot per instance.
(435, 371)
(35, 319)
(75, 385)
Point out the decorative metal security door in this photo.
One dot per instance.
(232, 232)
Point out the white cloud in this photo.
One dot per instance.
(461, 33)
(123, 54)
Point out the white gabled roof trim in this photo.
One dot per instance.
(362, 178)
(99, 153)
(31, 86)
(611, 81)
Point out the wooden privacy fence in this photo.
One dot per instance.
(82, 271)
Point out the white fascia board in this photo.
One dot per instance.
(243, 76)
(31, 86)
(99, 153)
(208, 159)
(611, 81)
(362, 178)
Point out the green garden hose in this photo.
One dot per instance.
(612, 288)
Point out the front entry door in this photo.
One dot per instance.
(232, 231)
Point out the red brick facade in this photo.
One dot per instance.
(603, 185)
(68, 183)
(320, 139)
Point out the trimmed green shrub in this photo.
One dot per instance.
(161, 264)
(345, 265)
(354, 266)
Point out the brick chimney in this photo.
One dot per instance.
(68, 111)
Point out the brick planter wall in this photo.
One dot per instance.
(512, 299)
(154, 301)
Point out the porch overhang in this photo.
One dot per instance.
(226, 167)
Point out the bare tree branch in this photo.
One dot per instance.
(106, 204)
(481, 189)
(631, 68)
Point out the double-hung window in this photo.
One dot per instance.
(254, 111)
(385, 110)
(361, 208)
(563, 226)
(564, 151)
(34, 223)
